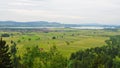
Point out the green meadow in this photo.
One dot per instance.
(66, 40)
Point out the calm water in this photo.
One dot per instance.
(92, 27)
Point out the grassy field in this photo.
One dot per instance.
(66, 40)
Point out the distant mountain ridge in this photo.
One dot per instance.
(28, 24)
(47, 24)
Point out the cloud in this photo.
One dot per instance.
(22, 4)
(70, 11)
(43, 13)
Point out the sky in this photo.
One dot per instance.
(64, 11)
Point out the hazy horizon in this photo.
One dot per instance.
(62, 11)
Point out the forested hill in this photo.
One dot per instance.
(29, 24)
(48, 24)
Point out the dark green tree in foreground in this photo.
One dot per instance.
(5, 61)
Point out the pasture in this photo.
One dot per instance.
(66, 40)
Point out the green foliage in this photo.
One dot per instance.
(5, 35)
(18, 41)
(15, 59)
(116, 62)
(99, 57)
(53, 37)
(37, 58)
(29, 57)
(29, 39)
(114, 40)
(67, 42)
(5, 61)
(45, 57)
(56, 59)
(82, 39)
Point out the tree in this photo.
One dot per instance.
(5, 35)
(53, 37)
(30, 55)
(14, 57)
(116, 62)
(36, 58)
(57, 60)
(5, 61)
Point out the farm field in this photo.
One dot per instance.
(66, 40)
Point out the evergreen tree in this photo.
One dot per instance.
(5, 61)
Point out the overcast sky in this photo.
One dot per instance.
(64, 11)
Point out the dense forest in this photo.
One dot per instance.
(107, 56)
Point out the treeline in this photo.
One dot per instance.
(107, 56)
(100, 57)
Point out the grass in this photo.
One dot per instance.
(66, 40)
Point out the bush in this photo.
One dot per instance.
(53, 37)
(5, 35)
